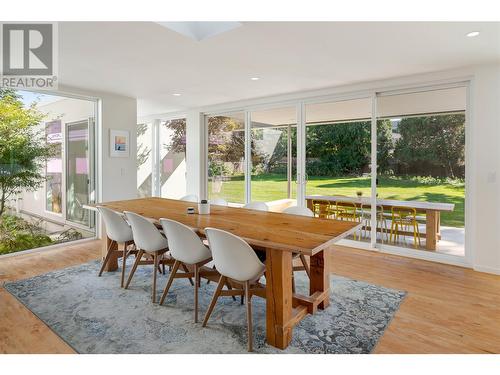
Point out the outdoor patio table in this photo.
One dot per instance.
(432, 211)
(279, 236)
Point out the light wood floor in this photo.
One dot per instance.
(447, 310)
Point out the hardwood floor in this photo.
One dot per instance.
(448, 309)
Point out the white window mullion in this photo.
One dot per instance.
(301, 155)
(248, 157)
(373, 219)
(155, 172)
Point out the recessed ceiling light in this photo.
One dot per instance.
(255, 78)
(472, 34)
(176, 94)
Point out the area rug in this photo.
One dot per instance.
(94, 315)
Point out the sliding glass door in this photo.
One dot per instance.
(273, 154)
(226, 157)
(421, 168)
(394, 161)
(338, 160)
(79, 171)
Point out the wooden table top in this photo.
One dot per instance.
(418, 205)
(265, 229)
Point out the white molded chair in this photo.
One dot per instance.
(187, 249)
(150, 242)
(300, 211)
(237, 263)
(120, 234)
(218, 202)
(260, 206)
(190, 198)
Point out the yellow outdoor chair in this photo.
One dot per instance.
(334, 209)
(404, 219)
(320, 208)
(366, 215)
(347, 211)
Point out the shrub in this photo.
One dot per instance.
(16, 234)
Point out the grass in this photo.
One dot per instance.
(272, 187)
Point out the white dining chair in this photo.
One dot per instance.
(120, 234)
(186, 248)
(219, 202)
(259, 206)
(150, 242)
(190, 198)
(237, 263)
(300, 211)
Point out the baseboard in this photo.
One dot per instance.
(487, 269)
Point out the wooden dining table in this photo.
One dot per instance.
(432, 211)
(278, 235)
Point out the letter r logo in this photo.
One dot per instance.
(27, 49)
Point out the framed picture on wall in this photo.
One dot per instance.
(119, 143)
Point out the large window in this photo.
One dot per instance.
(416, 198)
(173, 158)
(226, 157)
(421, 161)
(338, 160)
(273, 151)
(50, 208)
(161, 158)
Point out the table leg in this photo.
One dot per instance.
(279, 298)
(320, 275)
(309, 203)
(112, 264)
(431, 227)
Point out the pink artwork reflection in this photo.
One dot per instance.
(54, 166)
(168, 165)
(81, 166)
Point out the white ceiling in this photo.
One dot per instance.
(149, 62)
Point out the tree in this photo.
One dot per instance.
(385, 145)
(23, 149)
(432, 143)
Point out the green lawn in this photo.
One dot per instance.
(272, 187)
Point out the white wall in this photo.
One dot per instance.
(118, 175)
(484, 216)
(483, 148)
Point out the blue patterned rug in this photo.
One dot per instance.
(94, 315)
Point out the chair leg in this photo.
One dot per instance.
(106, 258)
(303, 259)
(134, 267)
(222, 281)
(196, 286)
(170, 280)
(123, 265)
(156, 266)
(249, 316)
(163, 268)
(184, 267)
(229, 287)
